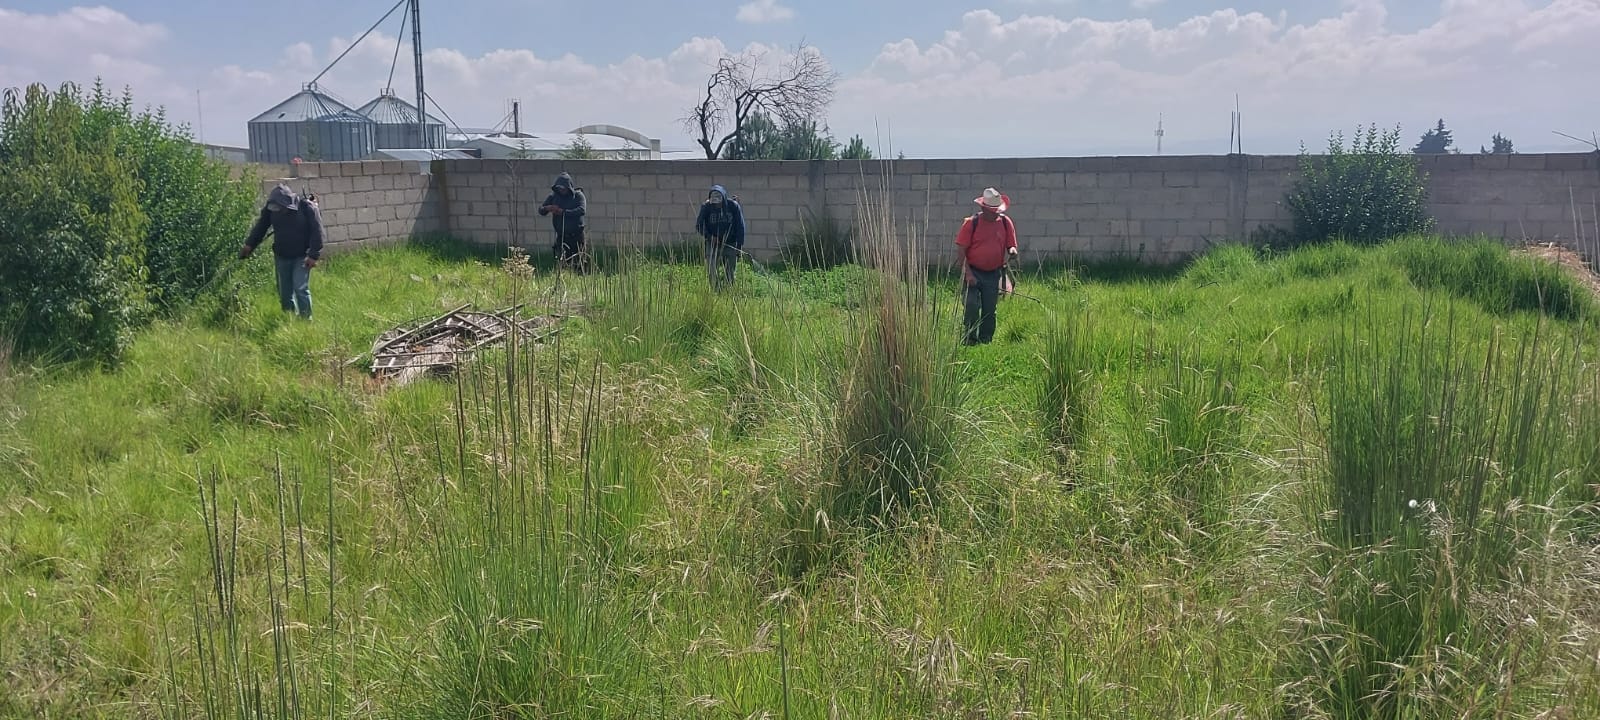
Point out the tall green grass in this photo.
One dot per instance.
(1444, 459)
(896, 420)
(1483, 271)
(1066, 392)
(522, 563)
(258, 576)
(1193, 429)
(595, 526)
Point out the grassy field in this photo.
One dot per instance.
(1338, 482)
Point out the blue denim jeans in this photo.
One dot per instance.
(294, 285)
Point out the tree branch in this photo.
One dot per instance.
(802, 88)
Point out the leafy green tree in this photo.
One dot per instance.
(804, 140)
(760, 139)
(72, 234)
(1364, 194)
(1502, 146)
(187, 215)
(197, 209)
(1437, 141)
(856, 150)
(579, 149)
(764, 139)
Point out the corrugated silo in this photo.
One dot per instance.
(312, 126)
(396, 124)
(340, 137)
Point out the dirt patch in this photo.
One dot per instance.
(1569, 259)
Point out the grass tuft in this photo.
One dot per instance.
(1487, 273)
(1443, 453)
(1066, 392)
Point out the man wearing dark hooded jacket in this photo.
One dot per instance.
(567, 210)
(297, 237)
(721, 223)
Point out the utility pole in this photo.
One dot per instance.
(422, 96)
(1160, 131)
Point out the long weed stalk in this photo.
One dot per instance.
(527, 551)
(897, 402)
(238, 677)
(1066, 390)
(1445, 453)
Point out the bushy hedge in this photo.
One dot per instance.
(72, 261)
(1364, 194)
(107, 218)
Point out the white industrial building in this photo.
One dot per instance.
(607, 142)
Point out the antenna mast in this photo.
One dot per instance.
(1160, 131)
(1236, 129)
(416, 47)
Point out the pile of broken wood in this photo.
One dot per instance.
(438, 345)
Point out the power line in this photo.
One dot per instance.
(358, 41)
(399, 41)
(446, 115)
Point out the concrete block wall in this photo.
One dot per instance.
(1540, 197)
(1161, 209)
(629, 202)
(369, 203)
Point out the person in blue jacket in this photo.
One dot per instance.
(567, 210)
(721, 223)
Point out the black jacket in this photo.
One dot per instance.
(296, 227)
(572, 205)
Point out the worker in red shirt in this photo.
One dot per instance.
(986, 240)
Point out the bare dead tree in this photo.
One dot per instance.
(741, 86)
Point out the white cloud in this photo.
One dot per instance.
(82, 43)
(65, 34)
(1033, 83)
(764, 11)
(1079, 85)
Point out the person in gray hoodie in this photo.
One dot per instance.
(297, 232)
(721, 223)
(568, 213)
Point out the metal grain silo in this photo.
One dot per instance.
(396, 124)
(340, 137)
(312, 126)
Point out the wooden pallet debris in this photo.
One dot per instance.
(405, 353)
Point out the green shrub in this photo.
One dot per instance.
(177, 235)
(72, 253)
(1364, 194)
(198, 212)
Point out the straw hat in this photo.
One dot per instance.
(993, 200)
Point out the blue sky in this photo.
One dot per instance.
(950, 77)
